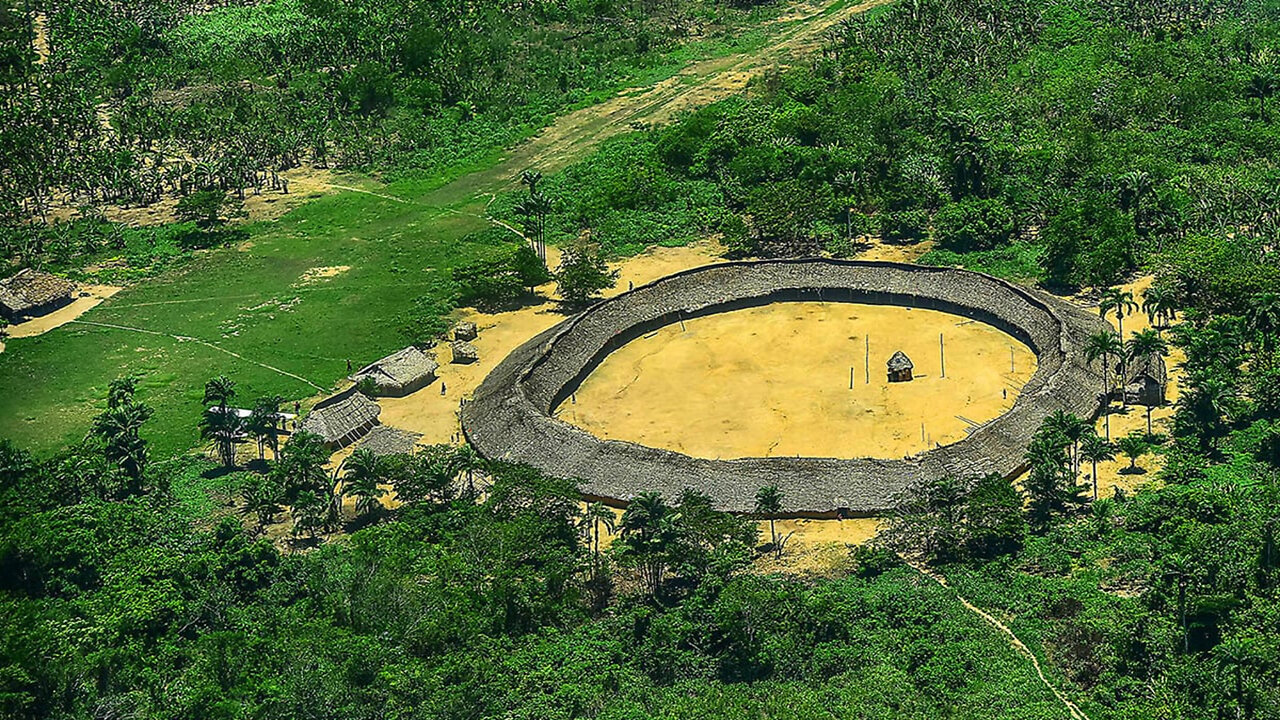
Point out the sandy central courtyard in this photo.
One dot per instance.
(774, 380)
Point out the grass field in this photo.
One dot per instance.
(248, 300)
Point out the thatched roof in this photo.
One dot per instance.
(1149, 366)
(32, 289)
(399, 370)
(464, 352)
(465, 330)
(343, 418)
(900, 361)
(387, 440)
(509, 416)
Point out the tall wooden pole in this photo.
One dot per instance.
(850, 377)
(867, 360)
(942, 355)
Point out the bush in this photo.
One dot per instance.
(583, 273)
(500, 280)
(974, 224)
(904, 226)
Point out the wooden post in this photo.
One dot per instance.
(850, 377)
(867, 359)
(942, 355)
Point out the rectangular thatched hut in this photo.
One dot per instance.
(343, 418)
(1146, 381)
(32, 293)
(400, 373)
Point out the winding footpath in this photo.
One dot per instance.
(1014, 642)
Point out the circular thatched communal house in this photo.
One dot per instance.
(400, 373)
(343, 418)
(509, 417)
(32, 293)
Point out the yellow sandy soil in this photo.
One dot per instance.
(435, 415)
(775, 380)
(88, 297)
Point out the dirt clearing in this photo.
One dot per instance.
(775, 381)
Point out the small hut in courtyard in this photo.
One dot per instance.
(343, 418)
(900, 367)
(464, 353)
(465, 330)
(399, 373)
(1146, 381)
(32, 293)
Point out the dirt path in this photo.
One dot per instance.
(574, 135)
(1014, 642)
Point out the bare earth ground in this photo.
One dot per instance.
(775, 380)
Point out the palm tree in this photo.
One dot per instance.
(262, 499)
(1181, 569)
(1120, 302)
(1261, 87)
(465, 460)
(1095, 449)
(119, 429)
(1142, 344)
(1072, 428)
(1211, 404)
(1135, 187)
(647, 533)
(1105, 345)
(365, 474)
(593, 516)
(1133, 446)
(224, 428)
(769, 504)
(219, 391)
(264, 424)
(1158, 304)
(1263, 317)
(1235, 655)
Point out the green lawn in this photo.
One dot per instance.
(246, 301)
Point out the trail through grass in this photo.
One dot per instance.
(256, 321)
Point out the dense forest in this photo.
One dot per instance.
(1068, 143)
(109, 104)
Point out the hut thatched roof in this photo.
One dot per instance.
(900, 361)
(387, 440)
(400, 369)
(464, 352)
(342, 418)
(1150, 365)
(32, 289)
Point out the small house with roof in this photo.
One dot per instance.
(1146, 381)
(343, 418)
(400, 373)
(32, 293)
(900, 367)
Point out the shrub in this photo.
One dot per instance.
(903, 226)
(974, 224)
